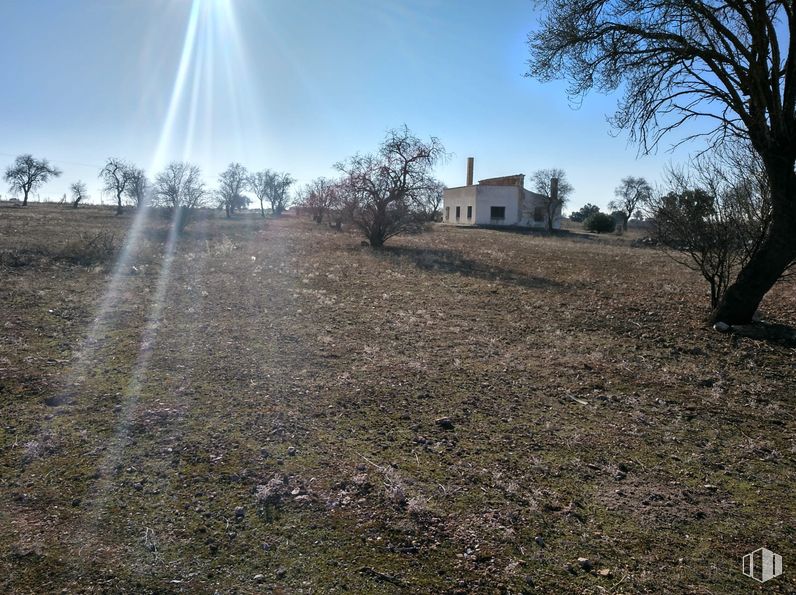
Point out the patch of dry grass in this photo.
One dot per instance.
(271, 422)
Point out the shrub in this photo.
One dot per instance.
(88, 249)
(21, 257)
(85, 250)
(599, 223)
(584, 212)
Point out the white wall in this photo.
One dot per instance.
(497, 196)
(531, 201)
(461, 197)
(482, 197)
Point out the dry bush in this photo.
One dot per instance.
(23, 256)
(88, 249)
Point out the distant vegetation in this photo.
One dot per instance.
(599, 223)
(382, 194)
(580, 215)
(713, 217)
(78, 190)
(179, 189)
(630, 194)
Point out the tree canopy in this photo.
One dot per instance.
(179, 188)
(231, 184)
(383, 189)
(271, 186)
(630, 193)
(555, 193)
(28, 173)
(116, 176)
(725, 68)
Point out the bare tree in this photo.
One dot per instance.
(259, 183)
(321, 196)
(231, 183)
(428, 202)
(552, 184)
(382, 189)
(78, 190)
(137, 189)
(715, 215)
(729, 66)
(116, 175)
(278, 194)
(29, 173)
(630, 193)
(273, 187)
(180, 189)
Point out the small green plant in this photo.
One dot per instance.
(599, 223)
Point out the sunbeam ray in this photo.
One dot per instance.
(180, 81)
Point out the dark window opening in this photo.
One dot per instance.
(538, 214)
(458, 213)
(497, 213)
(469, 212)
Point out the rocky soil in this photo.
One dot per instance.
(267, 406)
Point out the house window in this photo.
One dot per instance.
(497, 213)
(538, 214)
(447, 213)
(458, 213)
(469, 212)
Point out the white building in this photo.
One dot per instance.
(497, 201)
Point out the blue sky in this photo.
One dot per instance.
(293, 85)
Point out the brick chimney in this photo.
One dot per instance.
(554, 189)
(470, 163)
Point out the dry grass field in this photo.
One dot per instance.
(270, 407)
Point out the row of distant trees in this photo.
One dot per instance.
(28, 173)
(267, 185)
(180, 189)
(384, 193)
(178, 186)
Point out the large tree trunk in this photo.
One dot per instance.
(25, 198)
(775, 254)
(118, 203)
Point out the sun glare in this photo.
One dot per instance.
(194, 79)
(211, 48)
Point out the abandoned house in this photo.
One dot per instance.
(497, 201)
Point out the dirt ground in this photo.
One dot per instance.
(267, 406)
